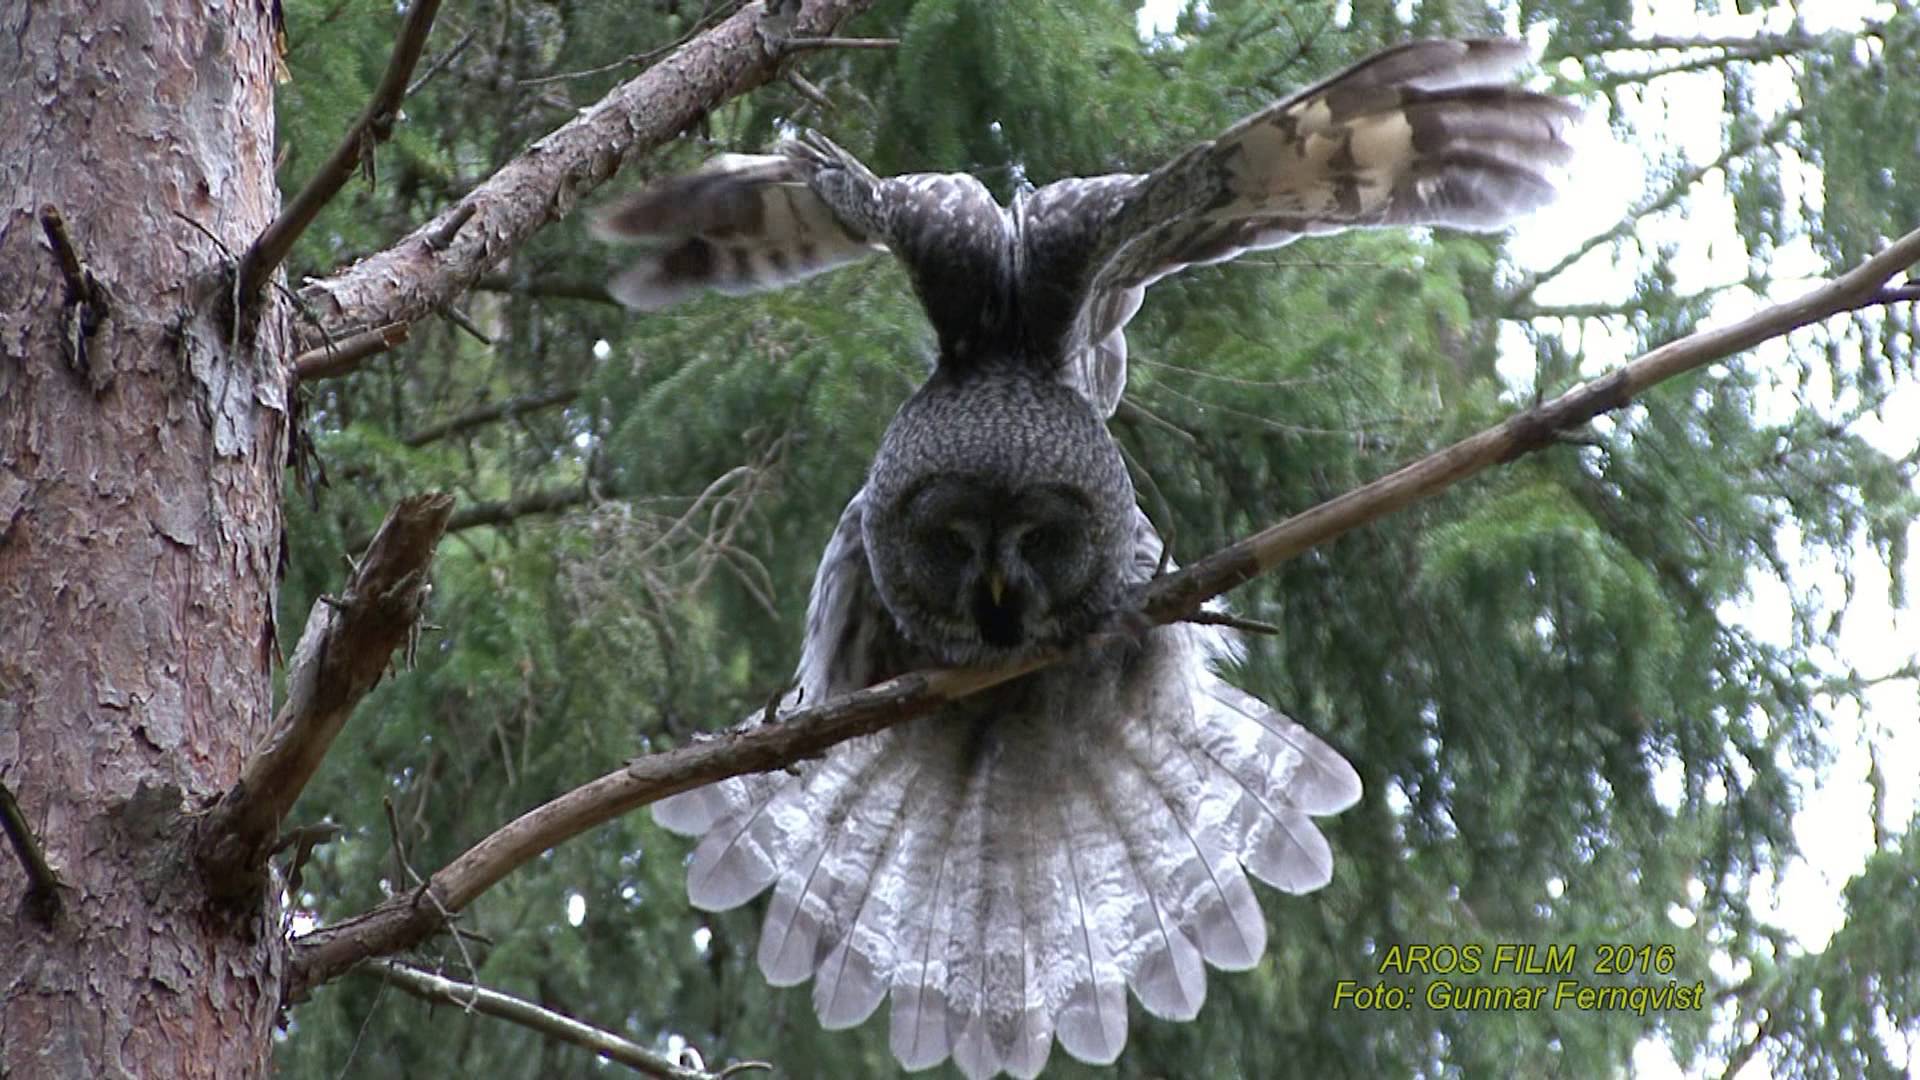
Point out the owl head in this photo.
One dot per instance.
(999, 520)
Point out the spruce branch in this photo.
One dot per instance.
(801, 733)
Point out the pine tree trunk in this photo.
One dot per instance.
(142, 437)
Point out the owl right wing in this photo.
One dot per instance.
(1427, 133)
(746, 223)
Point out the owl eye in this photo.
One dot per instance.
(1046, 543)
(946, 544)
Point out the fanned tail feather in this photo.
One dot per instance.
(1007, 876)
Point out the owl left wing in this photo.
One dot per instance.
(1426, 133)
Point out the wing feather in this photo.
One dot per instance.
(1421, 134)
(741, 223)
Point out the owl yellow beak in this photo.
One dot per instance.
(996, 586)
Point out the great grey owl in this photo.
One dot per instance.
(1008, 867)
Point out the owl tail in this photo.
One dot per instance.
(1008, 871)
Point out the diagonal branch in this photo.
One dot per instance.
(375, 124)
(543, 501)
(413, 278)
(404, 921)
(436, 988)
(488, 413)
(342, 655)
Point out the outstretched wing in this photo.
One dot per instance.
(1421, 134)
(740, 223)
(744, 223)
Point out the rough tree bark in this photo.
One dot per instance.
(142, 437)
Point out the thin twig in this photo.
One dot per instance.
(807, 90)
(439, 64)
(810, 44)
(805, 732)
(375, 124)
(475, 998)
(456, 317)
(1231, 621)
(403, 868)
(487, 414)
(43, 885)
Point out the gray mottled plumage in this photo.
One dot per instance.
(1009, 868)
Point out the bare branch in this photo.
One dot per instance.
(410, 279)
(1773, 44)
(375, 124)
(488, 413)
(475, 515)
(802, 733)
(1610, 80)
(439, 64)
(554, 288)
(1523, 433)
(342, 655)
(337, 358)
(473, 998)
(809, 44)
(42, 901)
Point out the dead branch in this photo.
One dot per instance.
(410, 279)
(374, 125)
(337, 358)
(552, 288)
(474, 998)
(475, 515)
(802, 733)
(810, 44)
(342, 655)
(42, 902)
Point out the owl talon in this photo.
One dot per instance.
(1127, 625)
